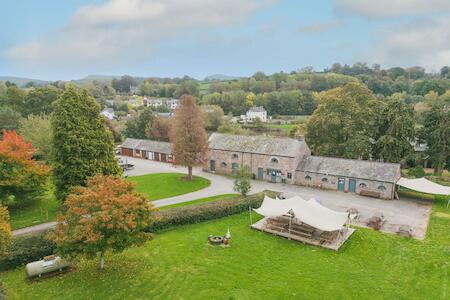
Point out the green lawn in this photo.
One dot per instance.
(201, 200)
(40, 211)
(179, 264)
(165, 185)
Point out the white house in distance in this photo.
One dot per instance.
(170, 103)
(256, 112)
(108, 113)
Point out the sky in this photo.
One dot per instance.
(63, 40)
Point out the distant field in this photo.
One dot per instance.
(166, 185)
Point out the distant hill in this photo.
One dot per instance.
(22, 81)
(220, 77)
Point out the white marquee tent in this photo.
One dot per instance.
(310, 212)
(423, 185)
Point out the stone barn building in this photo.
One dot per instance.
(368, 178)
(148, 149)
(289, 160)
(270, 159)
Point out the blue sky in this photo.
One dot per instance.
(70, 39)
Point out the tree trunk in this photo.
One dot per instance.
(189, 173)
(102, 261)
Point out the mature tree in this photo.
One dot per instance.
(228, 127)
(393, 130)
(5, 231)
(188, 134)
(436, 133)
(242, 183)
(38, 131)
(39, 100)
(22, 179)
(341, 125)
(9, 118)
(83, 145)
(187, 87)
(124, 84)
(159, 129)
(14, 98)
(106, 215)
(136, 126)
(212, 116)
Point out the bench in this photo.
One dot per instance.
(370, 193)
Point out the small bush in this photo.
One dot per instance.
(416, 172)
(205, 211)
(26, 249)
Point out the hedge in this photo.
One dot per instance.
(205, 211)
(33, 247)
(27, 248)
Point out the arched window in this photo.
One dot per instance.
(324, 179)
(224, 164)
(362, 185)
(234, 156)
(307, 177)
(381, 187)
(274, 160)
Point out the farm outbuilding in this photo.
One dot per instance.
(147, 149)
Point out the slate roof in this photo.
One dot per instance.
(362, 169)
(257, 109)
(148, 145)
(257, 144)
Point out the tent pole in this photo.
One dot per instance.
(290, 222)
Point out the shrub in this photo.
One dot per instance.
(206, 211)
(27, 248)
(416, 172)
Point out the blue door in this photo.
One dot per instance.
(273, 176)
(212, 165)
(260, 173)
(352, 185)
(341, 184)
(234, 168)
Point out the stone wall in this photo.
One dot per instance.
(332, 183)
(225, 159)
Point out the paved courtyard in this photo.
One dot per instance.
(410, 212)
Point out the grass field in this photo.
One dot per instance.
(165, 185)
(179, 264)
(41, 211)
(201, 200)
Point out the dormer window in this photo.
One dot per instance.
(324, 179)
(223, 164)
(382, 188)
(234, 156)
(307, 177)
(274, 160)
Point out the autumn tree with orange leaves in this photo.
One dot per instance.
(106, 215)
(188, 134)
(22, 179)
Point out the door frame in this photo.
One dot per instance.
(343, 183)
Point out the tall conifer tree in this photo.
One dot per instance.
(83, 145)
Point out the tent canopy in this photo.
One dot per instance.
(310, 212)
(423, 185)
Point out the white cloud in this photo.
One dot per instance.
(320, 27)
(391, 8)
(424, 42)
(121, 32)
